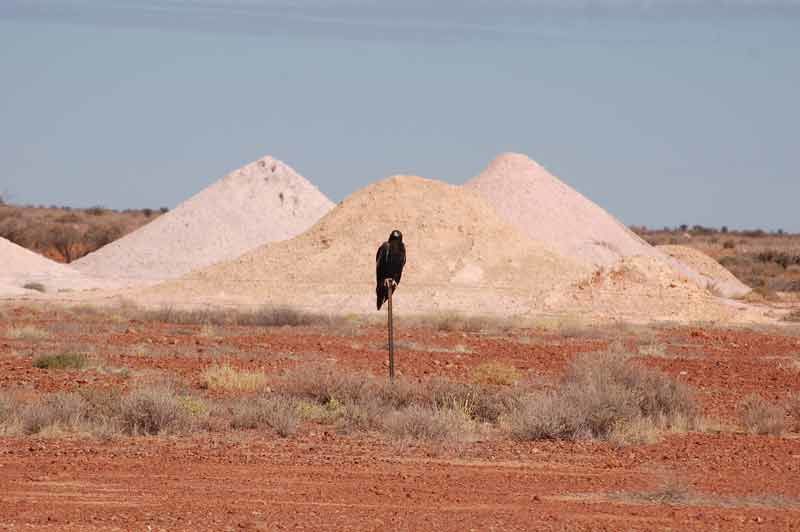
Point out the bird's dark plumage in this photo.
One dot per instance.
(389, 262)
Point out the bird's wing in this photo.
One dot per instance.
(382, 254)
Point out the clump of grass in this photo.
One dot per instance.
(323, 383)
(26, 332)
(280, 413)
(495, 373)
(153, 410)
(61, 361)
(267, 316)
(55, 411)
(605, 396)
(426, 423)
(759, 416)
(39, 287)
(226, 377)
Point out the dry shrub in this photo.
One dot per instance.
(399, 393)
(324, 383)
(267, 316)
(59, 410)
(282, 414)
(425, 423)
(605, 396)
(153, 410)
(480, 403)
(365, 415)
(27, 333)
(61, 361)
(226, 377)
(759, 416)
(495, 373)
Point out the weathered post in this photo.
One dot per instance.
(390, 290)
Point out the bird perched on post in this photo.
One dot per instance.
(389, 262)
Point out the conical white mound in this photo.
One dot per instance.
(546, 209)
(461, 257)
(262, 202)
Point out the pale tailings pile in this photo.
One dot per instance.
(20, 267)
(719, 279)
(546, 209)
(262, 202)
(461, 257)
(644, 289)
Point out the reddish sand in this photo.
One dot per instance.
(322, 480)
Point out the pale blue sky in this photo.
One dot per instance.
(663, 112)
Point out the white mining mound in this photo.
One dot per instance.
(262, 202)
(546, 209)
(20, 267)
(461, 257)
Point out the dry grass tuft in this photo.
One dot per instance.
(282, 414)
(267, 316)
(425, 423)
(759, 416)
(226, 377)
(55, 411)
(27, 333)
(61, 361)
(153, 410)
(495, 373)
(605, 396)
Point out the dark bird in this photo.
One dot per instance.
(389, 262)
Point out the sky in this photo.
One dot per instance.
(664, 112)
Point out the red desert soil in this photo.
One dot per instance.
(322, 480)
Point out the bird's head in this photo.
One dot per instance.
(396, 235)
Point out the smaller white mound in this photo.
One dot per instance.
(21, 266)
(262, 202)
(546, 209)
(718, 279)
(642, 289)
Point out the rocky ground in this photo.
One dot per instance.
(722, 478)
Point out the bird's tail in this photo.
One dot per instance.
(380, 291)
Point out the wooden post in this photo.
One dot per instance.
(390, 289)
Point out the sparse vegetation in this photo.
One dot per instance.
(153, 410)
(266, 316)
(56, 411)
(27, 333)
(759, 416)
(226, 377)
(280, 413)
(61, 361)
(604, 396)
(63, 233)
(495, 373)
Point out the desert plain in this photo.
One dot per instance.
(222, 367)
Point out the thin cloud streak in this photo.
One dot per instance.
(411, 21)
